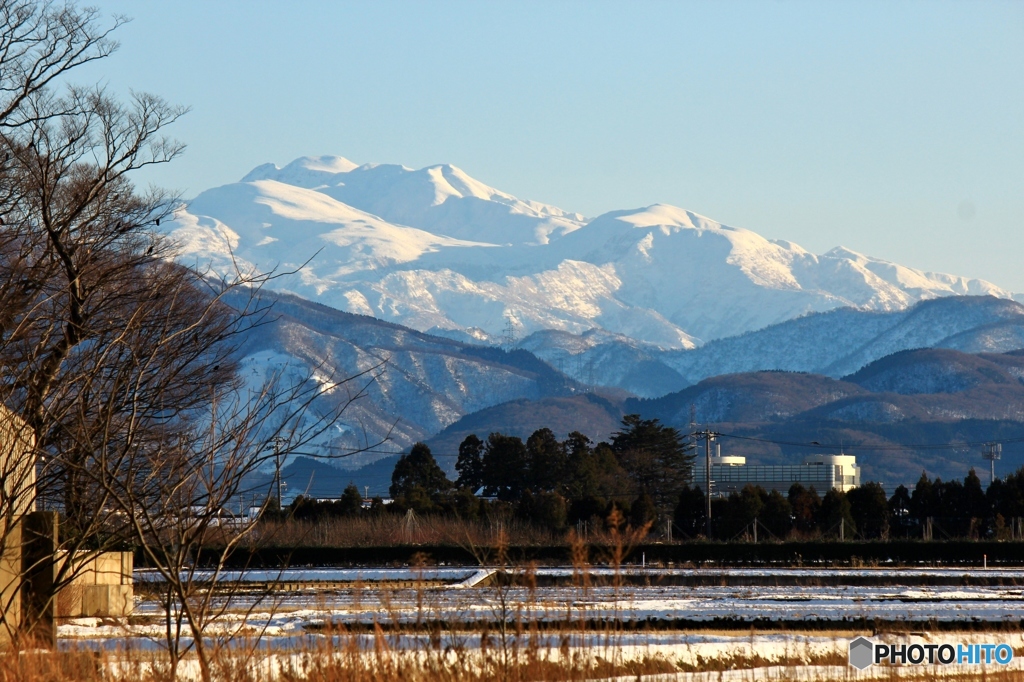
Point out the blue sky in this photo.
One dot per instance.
(895, 129)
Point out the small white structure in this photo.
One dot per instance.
(730, 474)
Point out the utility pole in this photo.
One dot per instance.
(277, 469)
(693, 433)
(707, 483)
(708, 436)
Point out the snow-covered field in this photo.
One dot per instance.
(454, 574)
(458, 595)
(295, 612)
(690, 626)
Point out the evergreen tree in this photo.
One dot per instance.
(417, 481)
(544, 509)
(739, 512)
(546, 461)
(1006, 496)
(470, 464)
(594, 471)
(776, 515)
(351, 502)
(690, 512)
(974, 502)
(869, 509)
(806, 506)
(835, 513)
(922, 501)
(642, 511)
(505, 467)
(656, 457)
(899, 512)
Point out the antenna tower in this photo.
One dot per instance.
(993, 451)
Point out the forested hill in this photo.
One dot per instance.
(918, 397)
(423, 383)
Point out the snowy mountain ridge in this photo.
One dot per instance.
(436, 250)
(421, 383)
(834, 343)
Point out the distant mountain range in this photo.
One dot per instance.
(927, 399)
(436, 250)
(439, 389)
(833, 343)
(496, 313)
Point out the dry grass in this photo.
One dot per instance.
(392, 529)
(351, 660)
(508, 646)
(382, 530)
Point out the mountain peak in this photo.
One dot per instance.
(331, 164)
(849, 254)
(664, 215)
(306, 171)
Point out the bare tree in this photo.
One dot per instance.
(39, 43)
(120, 363)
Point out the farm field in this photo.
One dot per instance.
(729, 624)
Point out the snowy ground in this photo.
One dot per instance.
(456, 574)
(455, 595)
(295, 620)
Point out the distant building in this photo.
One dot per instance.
(823, 472)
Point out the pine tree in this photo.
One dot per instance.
(656, 457)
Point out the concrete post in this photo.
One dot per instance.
(39, 599)
(10, 584)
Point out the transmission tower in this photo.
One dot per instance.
(509, 340)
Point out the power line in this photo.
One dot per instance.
(905, 447)
(873, 448)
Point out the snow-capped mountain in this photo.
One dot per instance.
(441, 199)
(434, 249)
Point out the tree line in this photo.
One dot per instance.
(640, 472)
(934, 509)
(645, 472)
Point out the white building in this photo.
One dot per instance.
(822, 472)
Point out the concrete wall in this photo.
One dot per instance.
(17, 498)
(17, 467)
(29, 562)
(28, 538)
(102, 587)
(27, 578)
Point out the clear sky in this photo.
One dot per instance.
(895, 129)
